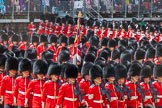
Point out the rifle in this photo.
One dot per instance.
(117, 88)
(139, 89)
(105, 92)
(153, 92)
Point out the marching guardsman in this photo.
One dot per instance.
(120, 77)
(151, 34)
(63, 42)
(72, 48)
(24, 41)
(31, 28)
(158, 54)
(21, 83)
(41, 47)
(53, 42)
(14, 41)
(3, 59)
(6, 92)
(51, 87)
(157, 85)
(36, 85)
(46, 28)
(134, 101)
(5, 40)
(69, 92)
(34, 41)
(85, 81)
(41, 28)
(146, 84)
(96, 97)
(109, 76)
(50, 28)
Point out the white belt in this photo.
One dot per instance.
(98, 101)
(134, 97)
(148, 97)
(114, 98)
(38, 95)
(70, 99)
(87, 95)
(159, 96)
(52, 97)
(9, 92)
(21, 92)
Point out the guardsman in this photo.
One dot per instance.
(21, 83)
(41, 47)
(109, 76)
(120, 77)
(53, 41)
(31, 28)
(135, 99)
(96, 97)
(36, 85)
(41, 28)
(3, 59)
(34, 41)
(157, 85)
(69, 92)
(24, 41)
(6, 92)
(146, 84)
(85, 81)
(14, 41)
(51, 87)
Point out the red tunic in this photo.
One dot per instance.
(95, 98)
(114, 99)
(21, 85)
(35, 86)
(7, 88)
(66, 96)
(50, 93)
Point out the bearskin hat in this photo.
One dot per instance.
(30, 53)
(11, 64)
(71, 40)
(111, 43)
(3, 59)
(134, 70)
(158, 52)
(157, 71)
(95, 71)
(64, 56)
(150, 53)
(35, 38)
(24, 65)
(92, 49)
(15, 38)
(40, 67)
(63, 39)
(139, 54)
(43, 38)
(24, 37)
(100, 61)
(152, 29)
(47, 54)
(70, 71)
(115, 54)
(108, 71)
(85, 69)
(146, 71)
(104, 42)
(54, 68)
(15, 49)
(90, 57)
(143, 28)
(4, 37)
(120, 71)
(125, 56)
(52, 38)
(94, 40)
(122, 43)
(105, 54)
